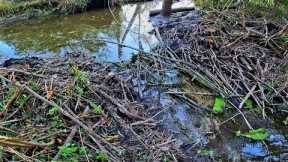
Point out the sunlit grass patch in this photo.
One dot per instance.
(7, 8)
(21, 6)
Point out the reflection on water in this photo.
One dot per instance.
(6, 50)
(58, 35)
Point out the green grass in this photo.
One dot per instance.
(7, 8)
(72, 5)
(21, 6)
(269, 8)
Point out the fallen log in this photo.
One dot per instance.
(174, 10)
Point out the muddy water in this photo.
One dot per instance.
(54, 36)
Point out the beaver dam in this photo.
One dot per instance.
(207, 83)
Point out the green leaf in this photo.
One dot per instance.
(259, 134)
(68, 150)
(83, 150)
(53, 111)
(249, 104)
(97, 108)
(206, 152)
(101, 156)
(218, 105)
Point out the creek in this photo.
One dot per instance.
(56, 36)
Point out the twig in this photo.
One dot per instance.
(70, 136)
(65, 113)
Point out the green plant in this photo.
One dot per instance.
(53, 111)
(263, 3)
(21, 100)
(83, 150)
(57, 121)
(284, 39)
(10, 93)
(72, 5)
(79, 90)
(248, 104)
(34, 86)
(218, 105)
(7, 8)
(81, 76)
(101, 156)
(68, 151)
(206, 152)
(259, 134)
(97, 109)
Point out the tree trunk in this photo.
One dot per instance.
(167, 7)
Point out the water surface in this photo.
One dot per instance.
(57, 35)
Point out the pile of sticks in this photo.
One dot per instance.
(239, 57)
(93, 106)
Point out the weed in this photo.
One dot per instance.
(21, 100)
(259, 134)
(80, 91)
(68, 151)
(83, 150)
(284, 39)
(73, 5)
(81, 76)
(101, 156)
(53, 111)
(72, 152)
(97, 109)
(57, 122)
(34, 86)
(248, 104)
(10, 93)
(206, 152)
(82, 80)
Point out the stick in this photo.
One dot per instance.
(247, 96)
(21, 71)
(70, 136)
(180, 9)
(65, 113)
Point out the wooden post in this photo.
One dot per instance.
(167, 7)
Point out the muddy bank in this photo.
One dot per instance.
(12, 12)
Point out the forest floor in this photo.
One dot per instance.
(73, 108)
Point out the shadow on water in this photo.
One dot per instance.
(200, 134)
(56, 36)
